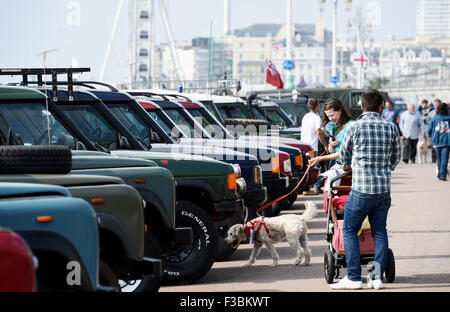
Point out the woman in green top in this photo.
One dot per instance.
(335, 120)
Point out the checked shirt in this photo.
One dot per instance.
(371, 146)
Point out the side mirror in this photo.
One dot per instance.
(155, 137)
(80, 146)
(124, 143)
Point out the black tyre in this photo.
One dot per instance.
(225, 250)
(35, 159)
(287, 202)
(190, 262)
(328, 266)
(107, 277)
(149, 283)
(389, 271)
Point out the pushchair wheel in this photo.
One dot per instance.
(389, 271)
(328, 265)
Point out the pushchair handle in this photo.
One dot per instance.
(347, 174)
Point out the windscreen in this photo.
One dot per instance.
(274, 117)
(234, 110)
(295, 112)
(89, 120)
(131, 120)
(208, 122)
(165, 123)
(31, 123)
(181, 121)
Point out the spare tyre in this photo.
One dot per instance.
(35, 159)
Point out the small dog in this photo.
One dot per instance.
(422, 151)
(268, 231)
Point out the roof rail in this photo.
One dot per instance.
(40, 72)
(147, 94)
(87, 83)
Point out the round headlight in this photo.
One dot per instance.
(237, 170)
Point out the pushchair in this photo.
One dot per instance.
(334, 255)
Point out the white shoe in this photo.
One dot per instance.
(345, 283)
(375, 284)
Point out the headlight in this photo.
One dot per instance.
(311, 154)
(237, 170)
(287, 165)
(231, 181)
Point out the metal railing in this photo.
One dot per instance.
(189, 86)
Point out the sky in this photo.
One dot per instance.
(80, 29)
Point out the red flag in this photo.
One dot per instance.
(273, 77)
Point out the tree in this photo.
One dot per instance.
(378, 83)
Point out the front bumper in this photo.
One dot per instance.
(180, 235)
(299, 174)
(255, 197)
(148, 266)
(292, 184)
(230, 206)
(276, 184)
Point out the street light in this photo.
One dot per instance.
(348, 7)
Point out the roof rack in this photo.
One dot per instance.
(40, 72)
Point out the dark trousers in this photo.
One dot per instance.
(409, 149)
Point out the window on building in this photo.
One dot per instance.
(143, 52)
(143, 35)
(143, 67)
(143, 15)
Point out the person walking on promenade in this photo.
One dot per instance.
(312, 134)
(439, 131)
(410, 123)
(391, 114)
(436, 102)
(371, 147)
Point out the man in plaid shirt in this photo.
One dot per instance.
(371, 146)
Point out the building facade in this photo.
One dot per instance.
(433, 18)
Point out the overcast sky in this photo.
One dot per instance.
(31, 26)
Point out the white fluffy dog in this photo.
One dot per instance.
(268, 231)
(422, 151)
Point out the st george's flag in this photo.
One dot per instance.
(273, 77)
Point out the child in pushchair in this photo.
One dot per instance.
(334, 199)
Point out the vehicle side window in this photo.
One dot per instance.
(34, 125)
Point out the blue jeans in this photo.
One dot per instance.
(357, 207)
(442, 161)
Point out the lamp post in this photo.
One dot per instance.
(363, 28)
(348, 7)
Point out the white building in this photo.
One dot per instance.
(251, 46)
(433, 18)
